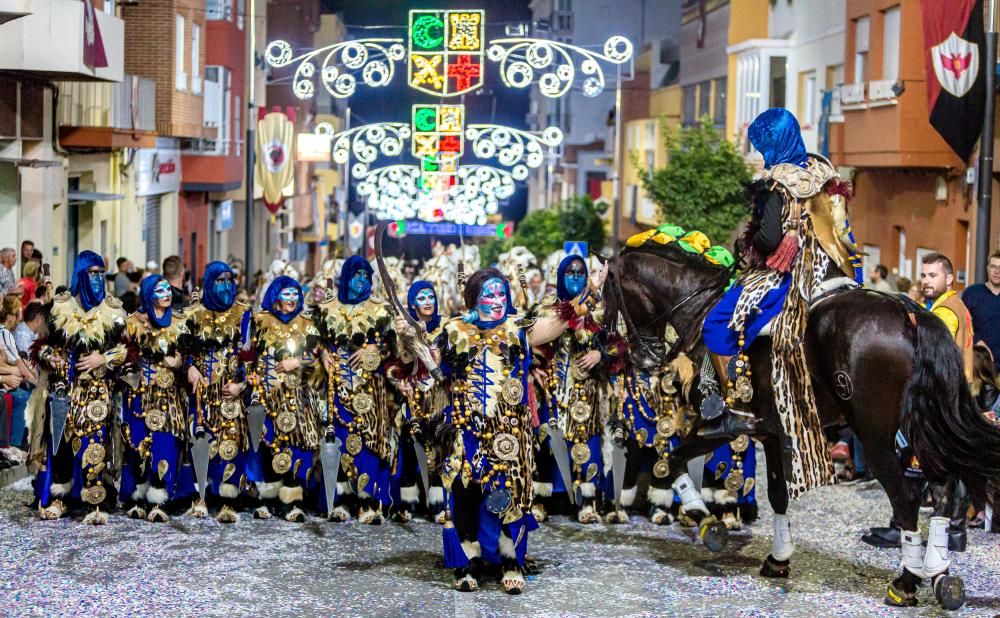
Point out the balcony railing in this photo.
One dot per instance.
(130, 104)
(852, 96)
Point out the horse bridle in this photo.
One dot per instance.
(646, 342)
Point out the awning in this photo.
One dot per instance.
(93, 196)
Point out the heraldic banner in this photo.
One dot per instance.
(275, 145)
(954, 43)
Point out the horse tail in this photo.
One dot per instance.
(941, 419)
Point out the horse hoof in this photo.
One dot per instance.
(894, 597)
(775, 568)
(713, 534)
(949, 592)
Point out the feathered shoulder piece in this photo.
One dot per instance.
(803, 183)
(339, 322)
(219, 326)
(271, 335)
(101, 323)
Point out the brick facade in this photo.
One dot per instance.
(150, 35)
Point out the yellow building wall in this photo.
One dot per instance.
(747, 20)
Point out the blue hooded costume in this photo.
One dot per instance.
(158, 412)
(361, 409)
(88, 397)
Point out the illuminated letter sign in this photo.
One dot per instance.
(446, 51)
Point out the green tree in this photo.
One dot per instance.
(544, 231)
(701, 187)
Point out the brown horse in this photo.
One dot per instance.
(877, 365)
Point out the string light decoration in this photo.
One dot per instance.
(511, 147)
(395, 192)
(520, 58)
(446, 51)
(366, 142)
(375, 59)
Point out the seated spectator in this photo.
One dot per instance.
(29, 283)
(27, 331)
(14, 371)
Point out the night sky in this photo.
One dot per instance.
(493, 103)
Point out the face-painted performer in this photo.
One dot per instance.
(284, 340)
(156, 409)
(424, 402)
(218, 326)
(486, 356)
(81, 354)
(357, 336)
(570, 398)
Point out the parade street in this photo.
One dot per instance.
(274, 568)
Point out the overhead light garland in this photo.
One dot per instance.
(520, 58)
(512, 148)
(375, 58)
(366, 142)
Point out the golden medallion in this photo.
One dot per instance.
(282, 462)
(580, 453)
(734, 482)
(93, 455)
(286, 422)
(665, 427)
(661, 469)
(580, 412)
(164, 378)
(292, 380)
(362, 402)
(370, 360)
(229, 409)
(512, 391)
(743, 389)
(579, 375)
(94, 495)
(156, 419)
(667, 386)
(99, 372)
(228, 450)
(97, 411)
(740, 444)
(353, 444)
(506, 447)
(77, 444)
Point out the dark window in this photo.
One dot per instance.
(32, 111)
(704, 99)
(8, 108)
(690, 104)
(777, 81)
(719, 116)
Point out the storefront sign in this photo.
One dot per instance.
(159, 169)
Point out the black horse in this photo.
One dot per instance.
(877, 365)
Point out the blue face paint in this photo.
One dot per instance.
(162, 291)
(360, 285)
(96, 282)
(492, 302)
(576, 280)
(224, 290)
(289, 295)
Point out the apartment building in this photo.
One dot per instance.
(913, 195)
(44, 46)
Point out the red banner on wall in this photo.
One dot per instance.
(93, 45)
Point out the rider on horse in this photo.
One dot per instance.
(797, 241)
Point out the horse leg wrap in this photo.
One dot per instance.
(782, 547)
(936, 560)
(913, 553)
(689, 494)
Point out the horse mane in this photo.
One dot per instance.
(674, 253)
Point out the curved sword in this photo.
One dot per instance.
(421, 348)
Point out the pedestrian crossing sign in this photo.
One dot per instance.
(576, 247)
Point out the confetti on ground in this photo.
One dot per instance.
(189, 567)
